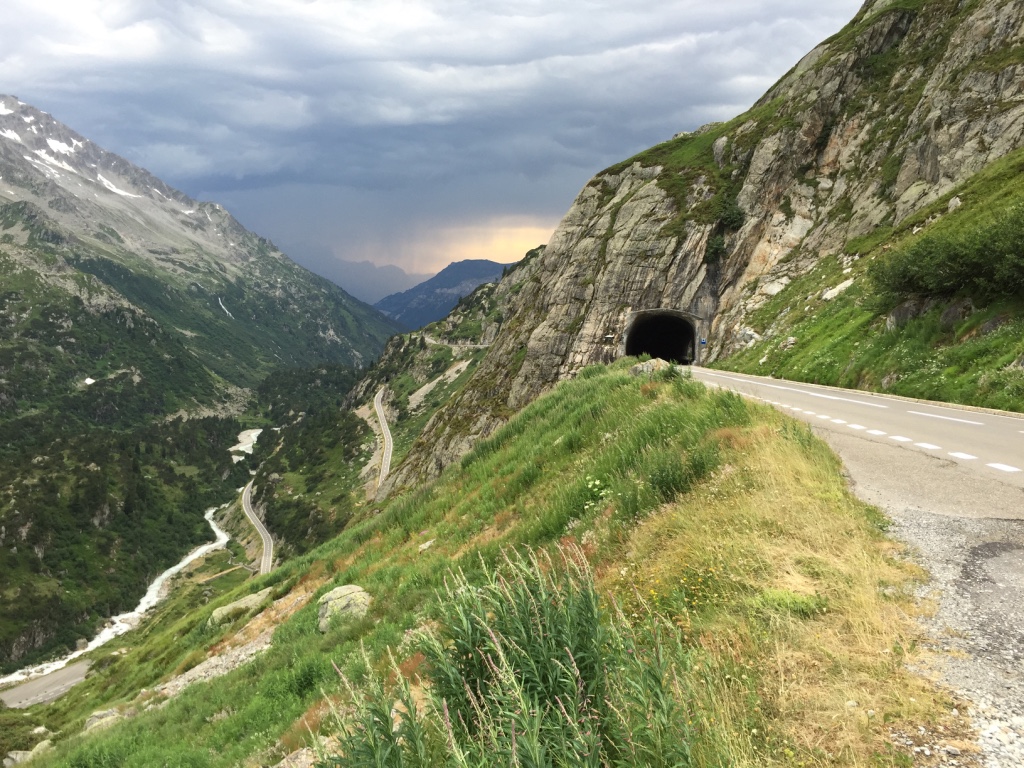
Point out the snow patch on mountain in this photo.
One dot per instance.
(54, 161)
(9, 134)
(60, 147)
(27, 118)
(4, 110)
(110, 185)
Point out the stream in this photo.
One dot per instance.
(123, 622)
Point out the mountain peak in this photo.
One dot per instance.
(434, 298)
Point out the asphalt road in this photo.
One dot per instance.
(267, 562)
(951, 481)
(986, 447)
(45, 688)
(385, 460)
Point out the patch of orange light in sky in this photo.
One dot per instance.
(504, 242)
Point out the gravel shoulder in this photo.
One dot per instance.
(968, 532)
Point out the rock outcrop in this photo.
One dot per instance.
(349, 601)
(232, 611)
(887, 117)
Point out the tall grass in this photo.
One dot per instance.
(526, 669)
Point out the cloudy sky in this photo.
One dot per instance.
(404, 132)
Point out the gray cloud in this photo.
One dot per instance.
(382, 130)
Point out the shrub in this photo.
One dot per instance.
(985, 261)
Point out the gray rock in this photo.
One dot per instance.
(232, 611)
(17, 757)
(81, 644)
(956, 313)
(833, 292)
(904, 313)
(349, 601)
(649, 367)
(43, 746)
(955, 203)
(789, 343)
(103, 719)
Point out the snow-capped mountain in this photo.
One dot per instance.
(188, 264)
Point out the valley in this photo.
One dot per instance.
(726, 473)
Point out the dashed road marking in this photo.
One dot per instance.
(858, 427)
(877, 432)
(901, 439)
(809, 413)
(928, 446)
(964, 456)
(838, 421)
(1003, 467)
(947, 418)
(823, 416)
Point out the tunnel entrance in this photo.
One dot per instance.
(664, 333)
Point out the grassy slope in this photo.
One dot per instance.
(845, 342)
(727, 518)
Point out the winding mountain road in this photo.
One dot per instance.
(267, 561)
(389, 445)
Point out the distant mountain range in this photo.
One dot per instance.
(363, 279)
(433, 299)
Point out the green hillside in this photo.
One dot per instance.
(654, 490)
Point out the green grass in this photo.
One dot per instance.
(662, 486)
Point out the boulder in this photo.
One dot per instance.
(833, 292)
(232, 611)
(904, 313)
(349, 601)
(957, 312)
(102, 719)
(650, 367)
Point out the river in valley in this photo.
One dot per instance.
(121, 623)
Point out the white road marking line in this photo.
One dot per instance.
(838, 421)
(823, 416)
(947, 418)
(901, 439)
(964, 456)
(1003, 467)
(877, 432)
(928, 446)
(809, 413)
(858, 427)
(792, 389)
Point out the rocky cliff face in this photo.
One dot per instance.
(894, 112)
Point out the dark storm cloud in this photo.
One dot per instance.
(389, 130)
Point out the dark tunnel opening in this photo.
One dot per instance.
(663, 334)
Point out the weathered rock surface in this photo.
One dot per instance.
(230, 612)
(349, 601)
(99, 720)
(216, 666)
(17, 757)
(649, 367)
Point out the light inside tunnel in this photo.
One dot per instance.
(664, 334)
